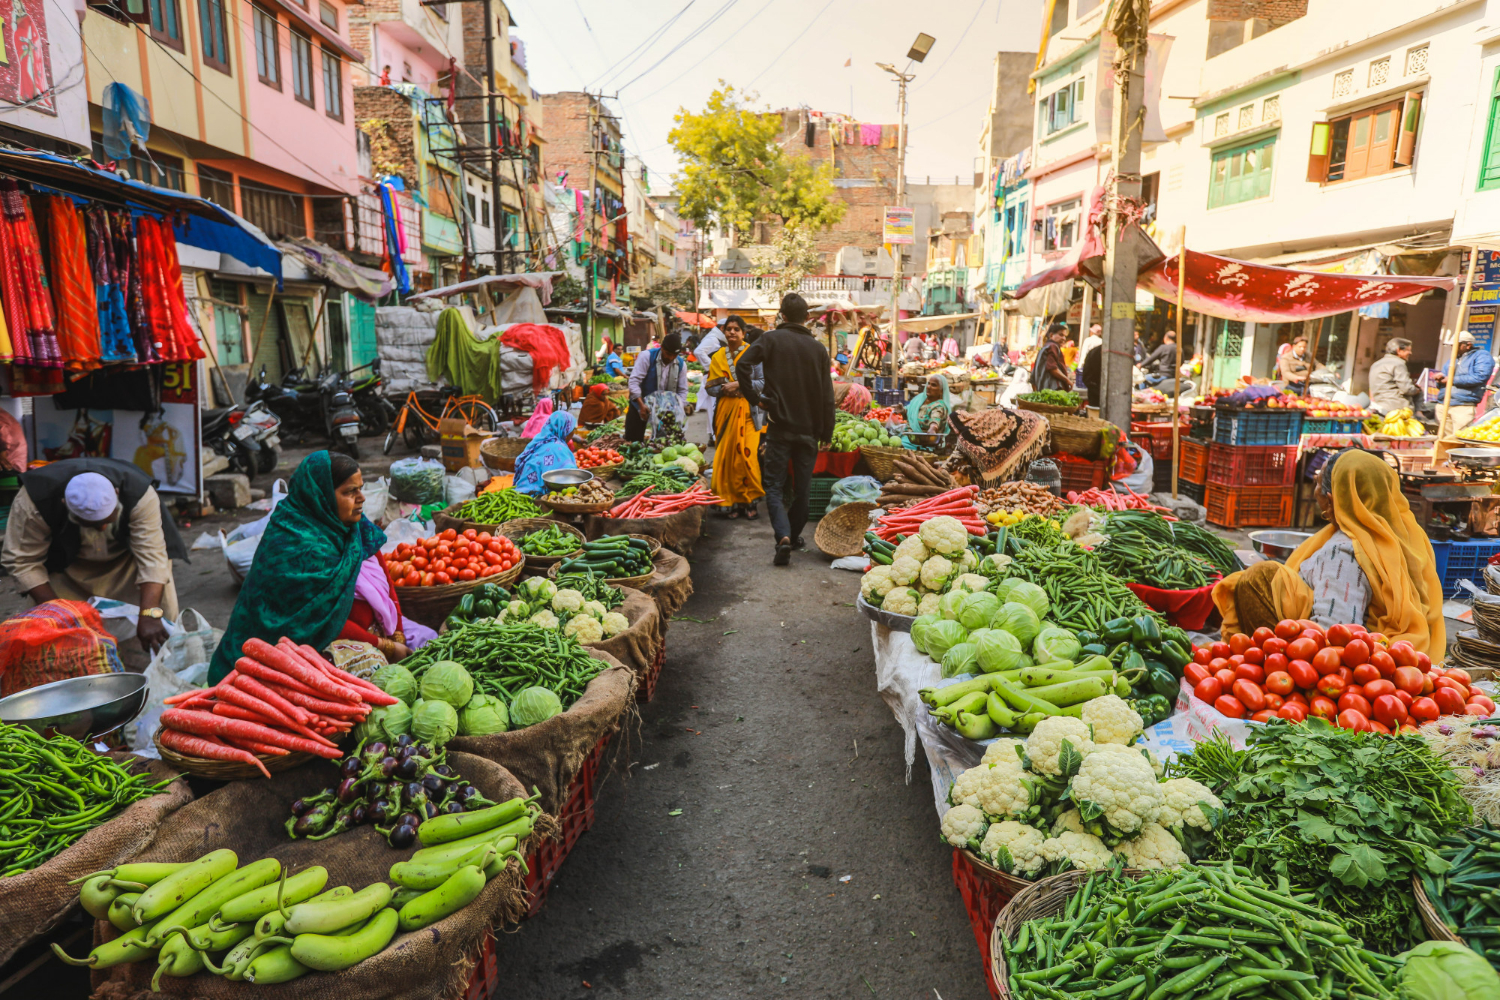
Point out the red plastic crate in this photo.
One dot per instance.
(1252, 465)
(1250, 506)
(1192, 464)
(836, 463)
(484, 980)
(1160, 436)
(645, 688)
(1079, 476)
(984, 900)
(575, 819)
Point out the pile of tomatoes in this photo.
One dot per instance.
(450, 557)
(1350, 676)
(592, 458)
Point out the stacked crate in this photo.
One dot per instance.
(1252, 468)
(1192, 468)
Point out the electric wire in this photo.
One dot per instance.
(629, 58)
(801, 34)
(728, 6)
(956, 45)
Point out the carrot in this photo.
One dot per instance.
(317, 665)
(205, 724)
(363, 688)
(233, 695)
(254, 687)
(295, 667)
(228, 711)
(320, 706)
(270, 675)
(194, 746)
(255, 747)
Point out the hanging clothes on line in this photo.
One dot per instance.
(888, 136)
(172, 332)
(115, 342)
(73, 286)
(27, 302)
(869, 135)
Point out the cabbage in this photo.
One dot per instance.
(534, 704)
(1445, 970)
(1029, 594)
(483, 715)
(447, 681)
(975, 634)
(976, 610)
(1054, 643)
(1002, 589)
(396, 681)
(919, 627)
(948, 604)
(433, 722)
(1019, 620)
(959, 660)
(385, 722)
(998, 650)
(943, 636)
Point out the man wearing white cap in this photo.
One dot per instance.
(1470, 376)
(95, 527)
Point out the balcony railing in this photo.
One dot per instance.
(852, 284)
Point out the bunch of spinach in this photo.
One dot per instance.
(1350, 816)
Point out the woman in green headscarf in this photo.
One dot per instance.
(301, 584)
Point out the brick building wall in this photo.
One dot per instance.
(1277, 12)
(394, 145)
(362, 17)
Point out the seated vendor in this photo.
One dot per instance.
(597, 407)
(315, 577)
(928, 413)
(547, 451)
(1372, 565)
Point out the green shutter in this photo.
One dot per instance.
(361, 318)
(1489, 173)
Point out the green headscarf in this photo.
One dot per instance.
(301, 584)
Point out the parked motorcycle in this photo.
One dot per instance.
(376, 412)
(321, 407)
(247, 435)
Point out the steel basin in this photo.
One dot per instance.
(1276, 544)
(79, 707)
(563, 478)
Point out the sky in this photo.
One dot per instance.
(661, 55)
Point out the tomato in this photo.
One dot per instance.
(506, 564)
(1327, 661)
(1388, 709)
(1236, 659)
(1194, 673)
(1250, 672)
(1292, 712)
(1221, 649)
(1449, 701)
(1275, 662)
(428, 579)
(1377, 639)
(1440, 682)
(485, 536)
(1287, 629)
(1323, 707)
(1208, 689)
(1409, 728)
(448, 535)
(471, 532)
(1404, 653)
(1230, 706)
(1249, 694)
(1303, 674)
(1345, 673)
(1378, 727)
(1301, 649)
(1352, 719)
(1424, 662)
(1260, 636)
(444, 549)
(1475, 709)
(1226, 677)
(1255, 655)
(430, 542)
(1408, 679)
(1297, 698)
(1264, 715)
(1220, 663)
(1458, 674)
(466, 574)
(1332, 685)
(1280, 682)
(412, 580)
(1404, 697)
(1339, 635)
(1358, 702)
(1356, 652)
(1202, 655)
(403, 551)
(1424, 710)
(1239, 642)
(1274, 701)
(1307, 623)
(1378, 687)
(442, 577)
(1365, 673)
(1316, 636)
(1478, 699)
(1277, 645)
(1381, 661)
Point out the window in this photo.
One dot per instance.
(1085, 6)
(216, 186)
(1489, 168)
(440, 9)
(1221, 125)
(1380, 71)
(1059, 17)
(215, 32)
(332, 224)
(153, 168)
(1247, 117)
(328, 14)
(267, 48)
(484, 210)
(1058, 225)
(278, 213)
(1061, 108)
(1270, 109)
(302, 67)
(333, 85)
(1241, 174)
(166, 25)
(1367, 143)
(1343, 84)
(665, 245)
(116, 10)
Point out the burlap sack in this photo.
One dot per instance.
(636, 647)
(678, 532)
(549, 755)
(671, 585)
(33, 902)
(249, 818)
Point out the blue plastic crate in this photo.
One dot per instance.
(1324, 425)
(1257, 427)
(1464, 561)
(885, 382)
(1440, 557)
(889, 397)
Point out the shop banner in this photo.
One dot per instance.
(1484, 303)
(25, 59)
(900, 225)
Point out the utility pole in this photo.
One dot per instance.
(593, 223)
(896, 248)
(1128, 23)
(497, 217)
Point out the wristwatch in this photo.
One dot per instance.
(151, 612)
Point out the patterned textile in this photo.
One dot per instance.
(73, 286)
(736, 475)
(169, 329)
(23, 283)
(1001, 442)
(52, 642)
(115, 342)
(547, 451)
(1341, 593)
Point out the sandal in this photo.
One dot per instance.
(734, 513)
(751, 514)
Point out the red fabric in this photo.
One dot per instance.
(835, 463)
(73, 287)
(161, 289)
(547, 347)
(1260, 293)
(361, 617)
(697, 319)
(23, 283)
(1187, 609)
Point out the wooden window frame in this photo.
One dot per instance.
(1050, 124)
(333, 89)
(259, 17)
(1227, 157)
(206, 8)
(115, 10)
(293, 38)
(160, 34)
(1334, 151)
(324, 7)
(216, 177)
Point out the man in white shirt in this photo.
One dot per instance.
(711, 342)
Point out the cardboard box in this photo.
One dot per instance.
(460, 442)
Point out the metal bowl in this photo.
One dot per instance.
(79, 707)
(563, 478)
(1277, 545)
(1483, 458)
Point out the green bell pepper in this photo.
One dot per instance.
(484, 609)
(1160, 679)
(1117, 630)
(1087, 638)
(1144, 631)
(1152, 709)
(1173, 656)
(465, 608)
(1094, 649)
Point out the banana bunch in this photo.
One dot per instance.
(1397, 423)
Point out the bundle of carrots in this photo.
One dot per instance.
(277, 699)
(650, 504)
(1121, 497)
(957, 503)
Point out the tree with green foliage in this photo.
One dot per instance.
(734, 173)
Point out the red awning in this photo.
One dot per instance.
(696, 319)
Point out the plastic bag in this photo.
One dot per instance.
(377, 494)
(856, 564)
(457, 489)
(405, 530)
(180, 665)
(239, 545)
(1138, 480)
(854, 489)
(417, 480)
(663, 405)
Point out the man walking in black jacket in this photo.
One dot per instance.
(798, 398)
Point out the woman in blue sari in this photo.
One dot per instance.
(547, 451)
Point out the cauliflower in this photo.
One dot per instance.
(1186, 802)
(1068, 821)
(944, 535)
(963, 826)
(935, 571)
(687, 464)
(595, 609)
(1044, 745)
(1153, 848)
(971, 582)
(1134, 751)
(1086, 851)
(969, 561)
(875, 584)
(900, 601)
(515, 609)
(913, 548)
(965, 790)
(585, 629)
(1112, 720)
(1003, 749)
(929, 604)
(1118, 788)
(614, 623)
(1014, 847)
(545, 619)
(1006, 790)
(996, 565)
(905, 570)
(567, 600)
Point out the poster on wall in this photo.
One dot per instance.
(1484, 302)
(25, 60)
(164, 445)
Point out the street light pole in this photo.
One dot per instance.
(917, 53)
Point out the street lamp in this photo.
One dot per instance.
(916, 54)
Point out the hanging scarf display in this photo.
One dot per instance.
(73, 286)
(172, 333)
(115, 341)
(23, 282)
(128, 264)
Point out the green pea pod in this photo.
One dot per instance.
(332, 914)
(445, 828)
(96, 896)
(274, 966)
(180, 886)
(330, 953)
(461, 889)
(256, 903)
(177, 958)
(205, 904)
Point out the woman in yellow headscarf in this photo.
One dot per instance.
(736, 429)
(1373, 565)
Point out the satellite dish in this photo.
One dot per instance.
(127, 120)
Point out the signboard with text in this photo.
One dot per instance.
(1484, 303)
(900, 225)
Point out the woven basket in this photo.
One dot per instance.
(499, 453)
(653, 546)
(1045, 898)
(444, 519)
(882, 461)
(228, 770)
(1011, 885)
(1081, 436)
(430, 606)
(1431, 922)
(523, 526)
(1046, 408)
(604, 471)
(560, 507)
(841, 531)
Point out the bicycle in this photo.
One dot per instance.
(416, 426)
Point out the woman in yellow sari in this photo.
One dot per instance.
(736, 429)
(1373, 565)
